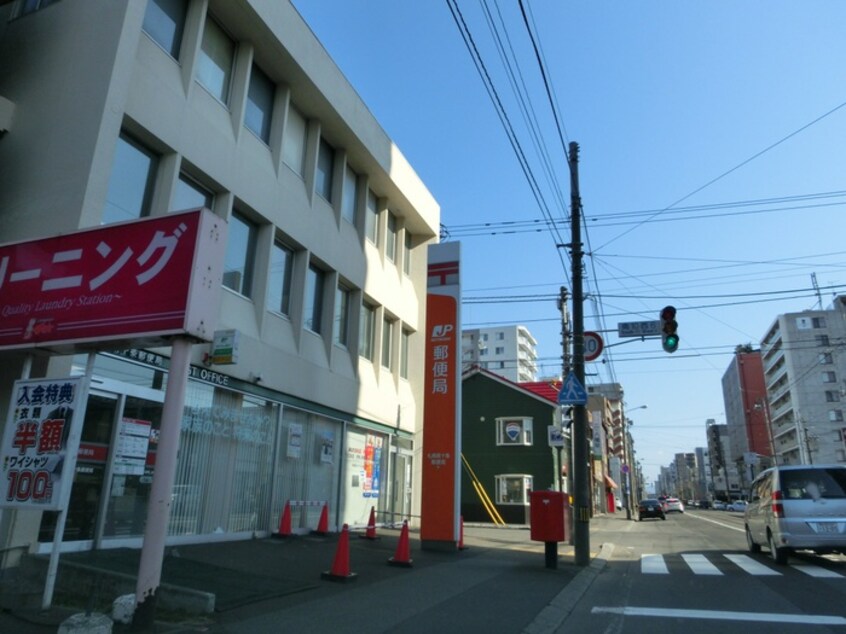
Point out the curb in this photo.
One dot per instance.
(553, 615)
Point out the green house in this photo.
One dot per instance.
(506, 450)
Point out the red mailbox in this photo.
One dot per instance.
(548, 513)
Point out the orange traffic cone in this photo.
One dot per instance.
(403, 555)
(461, 545)
(340, 570)
(285, 522)
(323, 523)
(371, 525)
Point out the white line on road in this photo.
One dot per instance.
(700, 565)
(752, 567)
(653, 565)
(708, 519)
(817, 571)
(722, 615)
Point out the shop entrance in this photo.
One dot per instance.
(114, 469)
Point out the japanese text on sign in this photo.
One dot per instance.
(36, 442)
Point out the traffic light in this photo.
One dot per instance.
(669, 337)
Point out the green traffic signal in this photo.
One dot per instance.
(670, 343)
(669, 337)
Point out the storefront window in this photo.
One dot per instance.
(364, 469)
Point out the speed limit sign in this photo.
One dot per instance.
(593, 346)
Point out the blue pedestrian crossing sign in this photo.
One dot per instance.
(572, 392)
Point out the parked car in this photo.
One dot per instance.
(738, 506)
(673, 505)
(797, 507)
(719, 506)
(650, 508)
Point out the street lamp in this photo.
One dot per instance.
(627, 483)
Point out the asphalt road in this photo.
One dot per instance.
(692, 573)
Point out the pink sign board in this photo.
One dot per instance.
(137, 281)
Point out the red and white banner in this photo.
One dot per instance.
(40, 443)
(127, 282)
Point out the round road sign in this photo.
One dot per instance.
(593, 346)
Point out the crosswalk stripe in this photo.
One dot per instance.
(752, 567)
(700, 565)
(653, 565)
(817, 571)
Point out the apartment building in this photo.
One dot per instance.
(127, 109)
(509, 351)
(804, 369)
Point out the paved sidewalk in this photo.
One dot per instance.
(498, 584)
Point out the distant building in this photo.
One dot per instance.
(725, 481)
(509, 351)
(745, 398)
(805, 368)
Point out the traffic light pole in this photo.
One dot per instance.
(581, 473)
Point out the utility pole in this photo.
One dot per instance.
(565, 370)
(581, 474)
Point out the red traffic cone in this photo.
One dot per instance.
(340, 570)
(461, 545)
(323, 523)
(285, 522)
(370, 533)
(402, 557)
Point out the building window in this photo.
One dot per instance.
(483, 352)
(499, 350)
(371, 218)
(350, 199)
(217, 55)
(31, 6)
(259, 104)
(367, 330)
(391, 238)
(835, 415)
(294, 143)
(387, 342)
(829, 377)
(485, 337)
(513, 431)
(513, 488)
(818, 322)
(342, 316)
(500, 336)
(821, 340)
(189, 195)
(131, 182)
(238, 265)
(279, 283)
(314, 298)
(325, 166)
(832, 396)
(826, 358)
(165, 22)
(406, 253)
(502, 365)
(405, 340)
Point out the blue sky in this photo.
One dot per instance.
(737, 108)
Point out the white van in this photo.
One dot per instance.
(797, 507)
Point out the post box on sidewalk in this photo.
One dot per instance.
(548, 510)
(548, 521)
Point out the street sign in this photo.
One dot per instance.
(555, 436)
(593, 345)
(572, 392)
(639, 328)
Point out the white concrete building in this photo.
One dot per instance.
(509, 351)
(805, 374)
(120, 109)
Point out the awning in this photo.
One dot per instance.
(610, 483)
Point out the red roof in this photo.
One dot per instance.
(545, 389)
